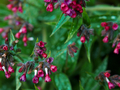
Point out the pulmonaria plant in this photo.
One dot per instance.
(6, 57)
(68, 7)
(85, 33)
(16, 22)
(108, 32)
(112, 81)
(5, 31)
(44, 68)
(15, 5)
(72, 49)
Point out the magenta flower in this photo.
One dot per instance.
(115, 26)
(83, 39)
(35, 79)
(105, 39)
(53, 68)
(50, 60)
(10, 69)
(47, 78)
(23, 77)
(40, 73)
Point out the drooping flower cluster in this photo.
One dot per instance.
(112, 81)
(116, 43)
(16, 22)
(44, 70)
(6, 58)
(68, 7)
(72, 49)
(15, 5)
(85, 33)
(108, 32)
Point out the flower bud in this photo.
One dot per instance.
(23, 77)
(103, 24)
(10, 69)
(40, 73)
(106, 74)
(83, 39)
(47, 78)
(105, 39)
(9, 6)
(115, 26)
(50, 7)
(53, 68)
(41, 44)
(116, 51)
(5, 48)
(44, 55)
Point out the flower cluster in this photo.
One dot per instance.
(40, 50)
(117, 43)
(15, 5)
(85, 33)
(112, 81)
(6, 58)
(72, 49)
(108, 32)
(68, 7)
(16, 22)
(44, 70)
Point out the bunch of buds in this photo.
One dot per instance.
(72, 49)
(28, 66)
(4, 32)
(112, 81)
(108, 32)
(16, 22)
(85, 33)
(40, 50)
(117, 43)
(44, 69)
(15, 5)
(68, 7)
(6, 57)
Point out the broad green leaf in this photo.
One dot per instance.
(77, 22)
(102, 66)
(86, 19)
(88, 46)
(12, 38)
(36, 87)
(18, 83)
(62, 20)
(62, 82)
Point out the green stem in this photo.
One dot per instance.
(66, 61)
(103, 9)
(43, 85)
(44, 35)
(19, 58)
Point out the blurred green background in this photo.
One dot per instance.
(80, 72)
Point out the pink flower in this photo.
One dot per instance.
(116, 51)
(25, 39)
(118, 45)
(17, 35)
(50, 7)
(78, 7)
(24, 29)
(105, 39)
(40, 73)
(20, 9)
(23, 77)
(107, 28)
(41, 44)
(35, 79)
(9, 6)
(47, 0)
(10, 69)
(44, 55)
(1, 69)
(5, 48)
(107, 74)
(1, 30)
(74, 14)
(7, 74)
(64, 7)
(103, 24)
(47, 78)
(82, 39)
(115, 26)
(110, 85)
(53, 68)
(14, 9)
(73, 4)
(50, 60)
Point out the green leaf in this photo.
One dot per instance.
(88, 46)
(62, 82)
(36, 87)
(18, 83)
(86, 19)
(62, 20)
(81, 87)
(12, 38)
(102, 66)
(77, 22)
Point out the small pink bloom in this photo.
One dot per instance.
(20, 70)
(47, 0)
(107, 28)
(115, 26)
(116, 51)
(106, 74)
(118, 45)
(17, 23)
(39, 88)
(64, 7)
(9, 6)
(103, 24)
(20, 9)
(4, 35)
(35, 79)
(25, 39)
(47, 78)
(118, 84)
(53, 68)
(50, 60)
(14, 9)
(7, 74)
(105, 39)
(41, 44)
(83, 39)
(1, 30)
(74, 14)
(40, 73)
(78, 34)
(40, 52)
(73, 4)
(1, 69)
(10, 70)
(44, 55)
(17, 35)
(23, 77)
(78, 7)
(50, 7)
(110, 85)
(24, 29)
(5, 48)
